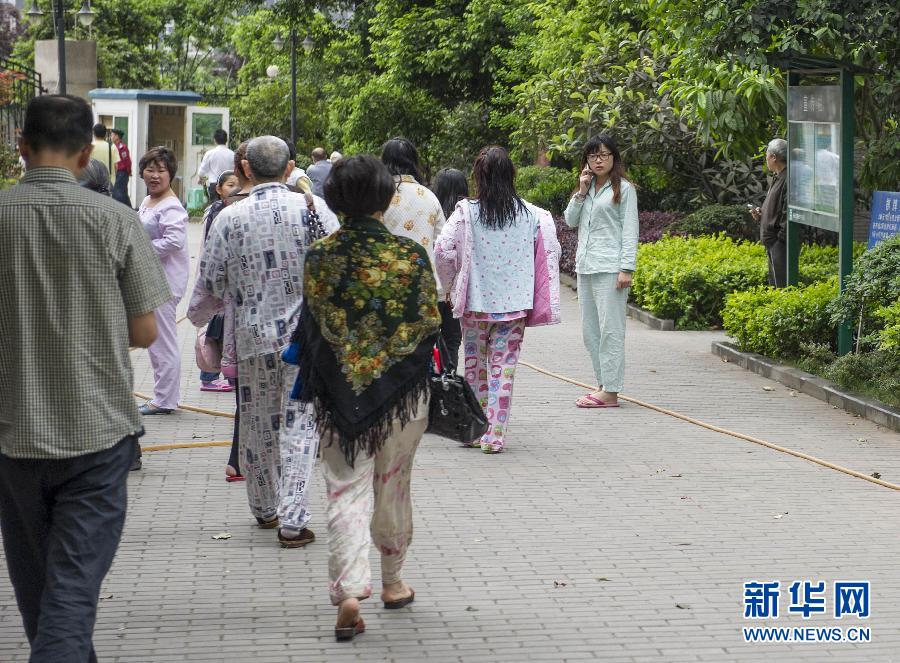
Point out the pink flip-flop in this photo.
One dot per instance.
(594, 402)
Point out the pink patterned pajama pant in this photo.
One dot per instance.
(370, 502)
(492, 352)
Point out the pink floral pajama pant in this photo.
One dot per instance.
(370, 502)
(492, 352)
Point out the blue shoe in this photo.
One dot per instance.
(148, 408)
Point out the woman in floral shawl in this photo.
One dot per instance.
(365, 337)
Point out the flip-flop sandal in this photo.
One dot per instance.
(593, 402)
(345, 633)
(231, 478)
(401, 603)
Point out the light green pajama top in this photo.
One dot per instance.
(607, 233)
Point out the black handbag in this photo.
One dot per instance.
(454, 412)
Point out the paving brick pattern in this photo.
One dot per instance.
(617, 535)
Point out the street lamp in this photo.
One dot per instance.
(85, 16)
(308, 45)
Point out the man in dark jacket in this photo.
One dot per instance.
(772, 216)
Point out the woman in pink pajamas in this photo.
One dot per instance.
(488, 258)
(165, 220)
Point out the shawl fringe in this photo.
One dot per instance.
(366, 434)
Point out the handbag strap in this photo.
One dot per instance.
(444, 352)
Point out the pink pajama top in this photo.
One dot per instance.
(166, 224)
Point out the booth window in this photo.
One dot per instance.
(203, 125)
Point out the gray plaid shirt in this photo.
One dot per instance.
(73, 265)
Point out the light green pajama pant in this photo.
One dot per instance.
(603, 327)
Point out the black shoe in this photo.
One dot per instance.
(147, 409)
(305, 536)
(136, 464)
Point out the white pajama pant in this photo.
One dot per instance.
(370, 502)
(603, 327)
(165, 357)
(278, 441)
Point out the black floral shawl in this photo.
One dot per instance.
(366, 331)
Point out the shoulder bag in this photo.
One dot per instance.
(454, 412)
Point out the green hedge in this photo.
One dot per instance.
(686, 279)
(775, 323)
(546, 186)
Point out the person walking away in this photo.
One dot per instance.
(491, 257)
(319, 170)
(123, 168)
(416, 213)
(80, 285)
(104, 152)
(254, 254)
(449, 187)
(370, 396)
(165, 221)
(604, 209)
(215, 162)
(95, 177)
(772, 216)
(229, 354)
(297, 180)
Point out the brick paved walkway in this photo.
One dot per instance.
(619, 535)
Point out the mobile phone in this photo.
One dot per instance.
(749, 205)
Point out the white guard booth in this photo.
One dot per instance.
(169, 118)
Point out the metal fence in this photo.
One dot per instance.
(18, 85)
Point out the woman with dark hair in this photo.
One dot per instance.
(165, 220)
(491, 255)
(416, 213)
(604, 209)
(364, 364)
(449, 186)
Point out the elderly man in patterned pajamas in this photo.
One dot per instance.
(254, 253)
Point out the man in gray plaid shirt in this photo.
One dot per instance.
(78, 283)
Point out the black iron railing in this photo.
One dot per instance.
(18, 85)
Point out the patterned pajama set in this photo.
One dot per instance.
(166, 223)
(499, 291)
(255, 254)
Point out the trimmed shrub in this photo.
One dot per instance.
(777, 322)
(733, 220)
(546, 187)
(687, 279)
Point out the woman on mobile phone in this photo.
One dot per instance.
(604, 209)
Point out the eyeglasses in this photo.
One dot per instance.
(599, 156)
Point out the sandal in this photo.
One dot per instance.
(591, 401)
(401, 603)
(345, 633)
